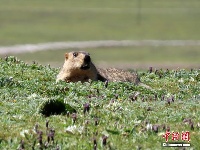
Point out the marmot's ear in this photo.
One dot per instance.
(66, 55)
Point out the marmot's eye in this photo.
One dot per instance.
(75, 54)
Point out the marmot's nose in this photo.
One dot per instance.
(87, 58)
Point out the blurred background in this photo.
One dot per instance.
(146, 33)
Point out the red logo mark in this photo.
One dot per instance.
(166, 136)
(185, 136)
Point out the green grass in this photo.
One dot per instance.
(26, 21)
(27, 90)
(127, 57)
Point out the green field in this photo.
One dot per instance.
(122, 116)
(127, 57)
(29, 95)
(26, 21)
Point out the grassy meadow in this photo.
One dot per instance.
(38, 113)
(26, 21)
(140, 58)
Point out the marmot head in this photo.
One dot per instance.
(78, 60)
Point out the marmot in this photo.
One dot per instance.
(79, 67)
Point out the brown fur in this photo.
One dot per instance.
(72, 70)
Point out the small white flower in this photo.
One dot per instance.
(114, 106)
(137, 121)
(80, 129)
(74, 129)
(168, 94)
(10, 78)
(181, 80)
(32, 96)
(198, 124)
(149, 126)
(192, 79)
(18, 116)
(71, 129)
(23, 132)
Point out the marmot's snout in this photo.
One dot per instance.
(87, 59)
(86, 64)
